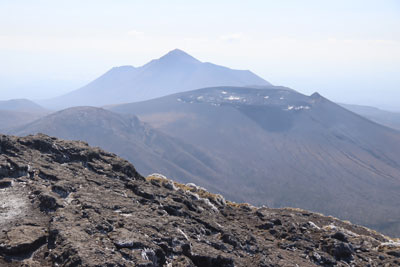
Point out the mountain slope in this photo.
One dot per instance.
(387, 118)
(64, 203)
(151, 150)
(282, 148)
(10, 119)
(17, 112)
(174, 72)
(21, 105)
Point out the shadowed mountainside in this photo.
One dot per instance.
(150, 150)
(263, 146)
(282, 148)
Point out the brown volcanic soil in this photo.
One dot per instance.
(63, 203)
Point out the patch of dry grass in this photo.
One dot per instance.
(215, 198)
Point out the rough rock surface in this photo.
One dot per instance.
(64, 203)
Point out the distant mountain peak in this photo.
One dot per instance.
(120, 69)
(178, 52)
(21, 104)
(174, 72)
(316, 95)
(180, 55)
(125, 67)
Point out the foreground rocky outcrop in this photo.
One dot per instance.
(64, 203)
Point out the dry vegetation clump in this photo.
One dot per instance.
(161, 180)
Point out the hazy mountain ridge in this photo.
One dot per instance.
(174, 72)
(387, 118)
(16, 112)
(286, 149)
(21, 105)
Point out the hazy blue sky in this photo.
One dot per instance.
(348, 50)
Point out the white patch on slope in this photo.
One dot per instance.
(13, 204)
(297, 108)
(232, 98)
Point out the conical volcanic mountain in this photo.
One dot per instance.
(281, 148)
(175, 72)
